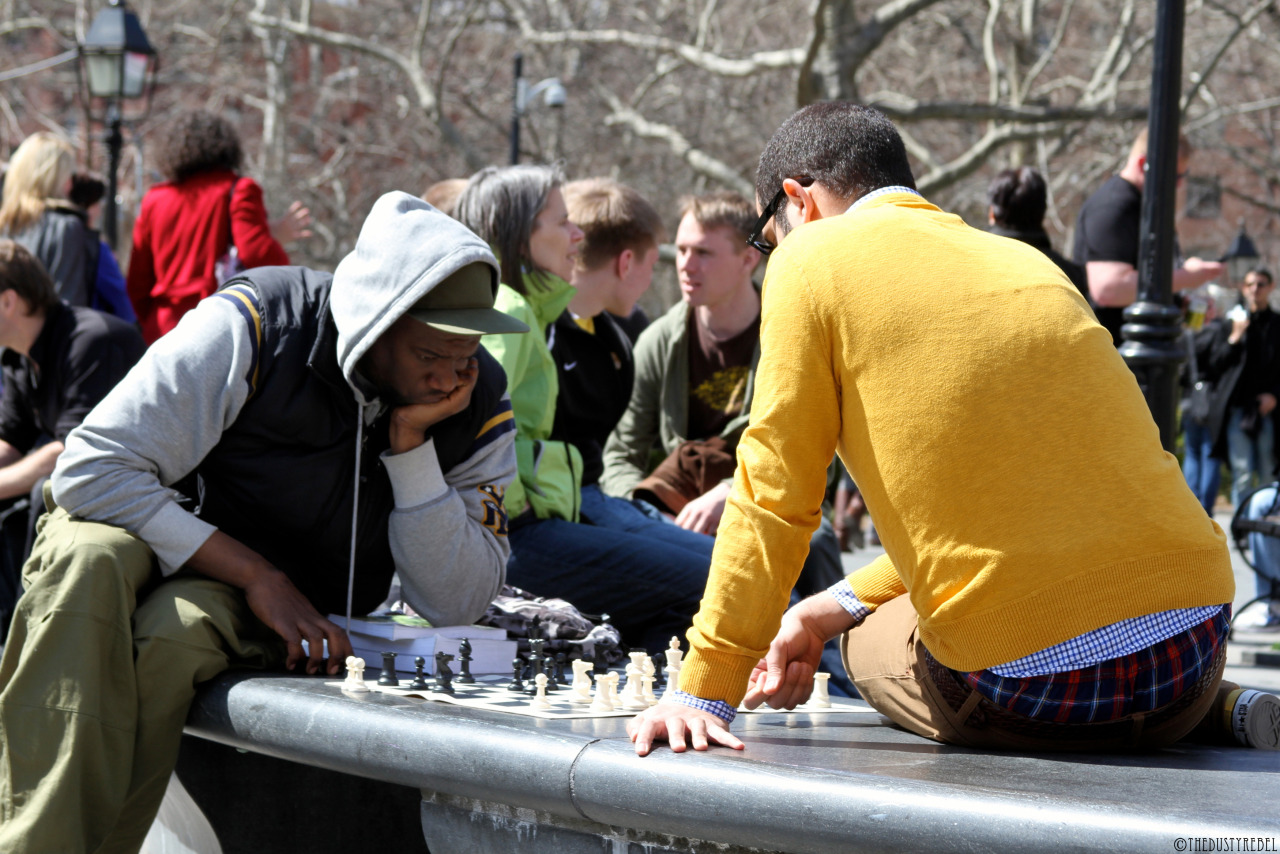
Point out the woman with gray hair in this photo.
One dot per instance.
(606, 555)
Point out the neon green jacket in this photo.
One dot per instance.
(549, 479)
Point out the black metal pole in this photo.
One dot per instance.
(115, 141)
(1152, 323)
(515, 111)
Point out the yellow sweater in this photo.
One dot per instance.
(1002, 446)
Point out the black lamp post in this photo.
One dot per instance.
(551, 90)
(1241, 256)
(118, 63)
(1151, 327)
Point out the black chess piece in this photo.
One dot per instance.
(388, 675)
(536, 648)
(535, 628)
(464, 664)
(658, 681)
(419, 682)
(536, 663)
(517, 675)
(549, 668)
(560, 662)
(444, 675)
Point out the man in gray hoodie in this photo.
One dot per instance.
(334, 430)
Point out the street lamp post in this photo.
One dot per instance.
(1241, 256)
(1151, 326)
(118, 63)
(553, 94)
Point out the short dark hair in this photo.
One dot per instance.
(1264, 273)
(198, 141)
(1017, 199)
(848, 148)
(22, 273)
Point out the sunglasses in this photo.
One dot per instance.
(754, 239)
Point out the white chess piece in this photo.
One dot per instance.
(615, 701)
(580, 691)
(650, 699)
(540, 700)
(355, 676)
(673, 654)
(633, 695)
(600, 702)
(820, 698)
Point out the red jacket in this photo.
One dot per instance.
(181, 232)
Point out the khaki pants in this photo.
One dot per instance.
(887, 662)
(98, 674)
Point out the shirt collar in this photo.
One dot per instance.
(883, 191)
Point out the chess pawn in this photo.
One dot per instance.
(540, 700)
(419, 682)
(614, 700)
(581, 689)
(355, 676)
(601, 702)
(517, 676)
(820, 699)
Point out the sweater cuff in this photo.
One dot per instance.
(719, 708)
(415, 475)
(843, 592)
(174, 535)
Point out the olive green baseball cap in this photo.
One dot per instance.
(462, 304)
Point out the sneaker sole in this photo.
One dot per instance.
(1262, 722)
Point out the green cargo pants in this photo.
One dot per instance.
(98, 674)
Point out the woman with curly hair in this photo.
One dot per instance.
(37, 212)
(203, 211)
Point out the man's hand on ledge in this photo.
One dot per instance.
(679, 726)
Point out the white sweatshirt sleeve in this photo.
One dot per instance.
(154, 428)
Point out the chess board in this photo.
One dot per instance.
(490, 692)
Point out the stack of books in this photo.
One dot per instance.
(409, 637)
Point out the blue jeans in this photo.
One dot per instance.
(647, 575)
(1266, 550)
(1248, 455)
(1202, 471)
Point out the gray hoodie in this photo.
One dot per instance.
(172, 408)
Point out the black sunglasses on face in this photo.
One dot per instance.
(754, 239)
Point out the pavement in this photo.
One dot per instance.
(1253, 658)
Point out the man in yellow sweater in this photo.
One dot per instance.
(1049, 580)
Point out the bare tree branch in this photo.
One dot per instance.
(973, 159)
(415, 74)
(706, 60)
(955, 110)
(1242, 23)
(701, 162)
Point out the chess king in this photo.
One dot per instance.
(308, 406)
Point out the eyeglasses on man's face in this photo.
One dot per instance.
(754, 238)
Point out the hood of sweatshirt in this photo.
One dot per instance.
(405, 248)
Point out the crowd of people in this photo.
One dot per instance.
(473, 398)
